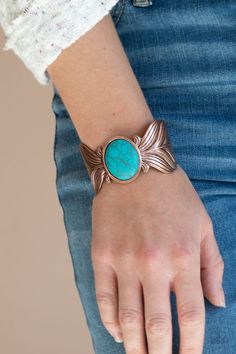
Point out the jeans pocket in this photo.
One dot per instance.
(117, 11)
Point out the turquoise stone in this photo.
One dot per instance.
(121, 159)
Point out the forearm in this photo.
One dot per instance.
(98, 87)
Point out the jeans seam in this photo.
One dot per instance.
(120, 11)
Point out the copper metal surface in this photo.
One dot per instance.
(154, 150)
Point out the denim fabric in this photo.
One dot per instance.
(183, 54)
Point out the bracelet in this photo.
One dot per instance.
(121, 158)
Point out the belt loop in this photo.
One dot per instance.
(142, 3)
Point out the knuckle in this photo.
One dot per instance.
(105, 298)
(191, 316)
(210, 225)
(130, 316)
(122, 255)
(220, 263)
(191, 349)
(149, 253)
(150, 259)
(158, 325)
(111, 326)
(101, 255)
(184, 257)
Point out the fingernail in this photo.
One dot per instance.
(222, 298)
(118, 338)
(222, 304)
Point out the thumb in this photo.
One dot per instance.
(212, 268)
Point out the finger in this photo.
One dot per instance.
(107, 298)
(212, 268)
(191, 311)
(158, 322)
(131, 315)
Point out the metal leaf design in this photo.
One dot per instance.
(155, 148)
(93, 162)
(155, 151)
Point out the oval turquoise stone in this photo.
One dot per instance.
(121, 159)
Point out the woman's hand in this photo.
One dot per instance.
(148, 235)
(151, 236)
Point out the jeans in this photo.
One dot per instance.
(183, 54)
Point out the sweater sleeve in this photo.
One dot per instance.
(38, 30)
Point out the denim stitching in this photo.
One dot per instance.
(120, 11)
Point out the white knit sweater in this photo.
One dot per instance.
(38, 30)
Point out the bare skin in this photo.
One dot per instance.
(152, 235)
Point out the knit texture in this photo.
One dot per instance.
(38, 30)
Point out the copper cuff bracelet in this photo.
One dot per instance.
(121, 158)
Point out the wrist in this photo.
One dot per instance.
(123, 122)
